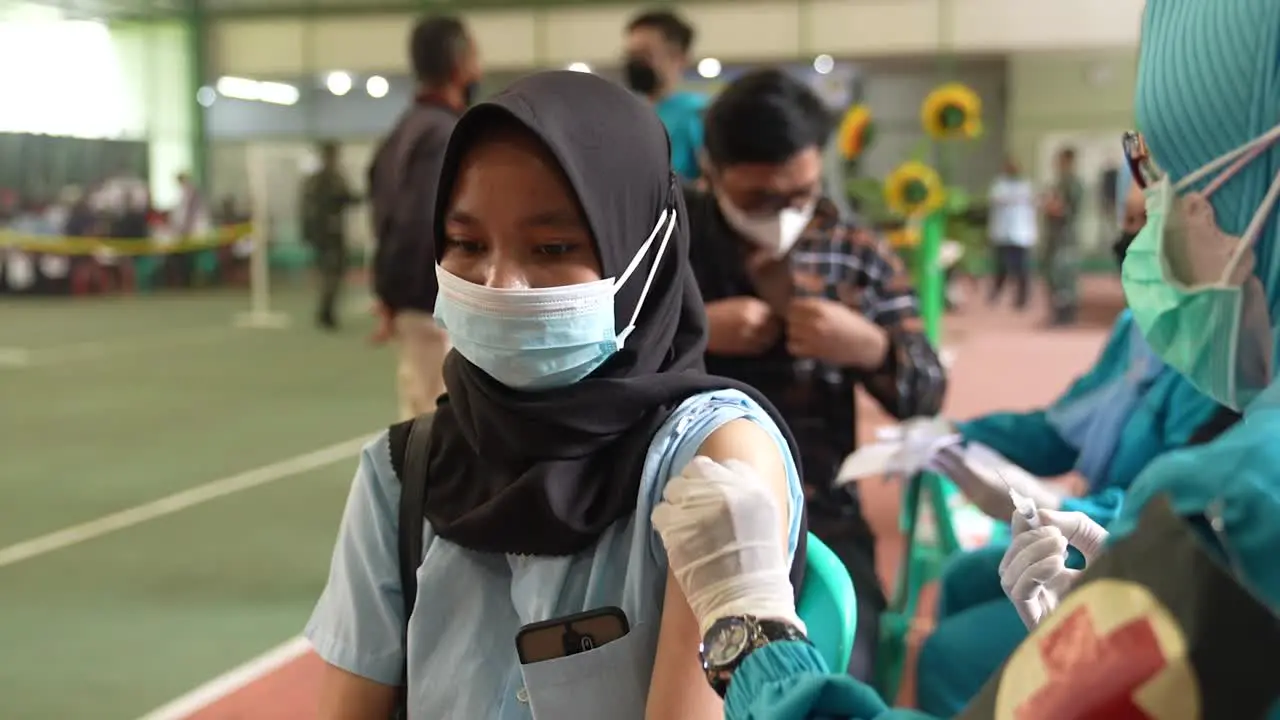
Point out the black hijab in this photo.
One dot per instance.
(547, 472)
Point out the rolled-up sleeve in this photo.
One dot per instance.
(358, 624)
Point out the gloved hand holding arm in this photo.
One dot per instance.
(720, 525)
(1033, 572)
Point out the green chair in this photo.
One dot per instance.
(925, 555)
(828, 605)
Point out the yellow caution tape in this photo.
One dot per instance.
(81, 246)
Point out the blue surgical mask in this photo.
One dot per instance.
(542, 338)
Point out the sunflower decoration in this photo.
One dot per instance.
(905, 237)
(856, 131)
(914, 190)
(952, 112)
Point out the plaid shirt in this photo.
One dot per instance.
(838, 259)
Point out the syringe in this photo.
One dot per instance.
(1023, 505)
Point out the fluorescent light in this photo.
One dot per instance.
(824, 64)
(278, 93)
(709, 68)
(580, 67)
(267, 92)
(339, 83)
(377, 86)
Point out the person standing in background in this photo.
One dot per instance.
(1012, 229)
(402, 188)
(325, 199)
(657, 49)
(1062, 254)
(190, 217)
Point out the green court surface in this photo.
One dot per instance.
(109, 404)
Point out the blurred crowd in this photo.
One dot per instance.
(119, 208)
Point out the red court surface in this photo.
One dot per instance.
(1000, 360)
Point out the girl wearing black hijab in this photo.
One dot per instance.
(575, 390)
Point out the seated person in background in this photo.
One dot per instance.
(575, 390)
(1109, 425)
(804, 305)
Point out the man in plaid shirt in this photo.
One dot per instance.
(805, 305)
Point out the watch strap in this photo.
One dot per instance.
(761, 632)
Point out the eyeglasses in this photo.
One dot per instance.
(1142, 168)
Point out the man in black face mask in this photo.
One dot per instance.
(657, 48)
(402, 180)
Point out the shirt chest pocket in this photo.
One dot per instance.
(610, 681)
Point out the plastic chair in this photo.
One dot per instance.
(828, 605)
(926, 553)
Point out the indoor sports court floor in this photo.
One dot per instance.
(171, 488)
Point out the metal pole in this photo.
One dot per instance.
(197, 32)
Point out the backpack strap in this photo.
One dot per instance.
(413, 496)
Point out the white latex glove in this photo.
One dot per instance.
(1033, 571)
(902, 449)
(985, 477)
(722, 530)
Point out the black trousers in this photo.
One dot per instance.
(1012, 261)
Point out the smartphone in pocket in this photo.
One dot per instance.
(570, 635)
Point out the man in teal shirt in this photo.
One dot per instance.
(657, 48)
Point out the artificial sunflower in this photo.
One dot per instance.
(856, 131)
(952, 112)
(906, 236)
(914, 190)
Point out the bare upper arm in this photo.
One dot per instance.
(347, 696)
(679, 688)
(748, 442)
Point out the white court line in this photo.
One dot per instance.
(231, 682)
(180, 501)
(94, 349)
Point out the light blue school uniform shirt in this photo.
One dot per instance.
(462, 659)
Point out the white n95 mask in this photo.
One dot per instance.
(541, 338)
(776, 233)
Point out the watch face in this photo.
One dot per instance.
(725, 643)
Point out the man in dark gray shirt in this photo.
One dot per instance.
(1062, 250)
(402, 191)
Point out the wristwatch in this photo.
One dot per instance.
(731, 639)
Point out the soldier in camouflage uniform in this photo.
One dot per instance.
(1062, 251)
(325, 198)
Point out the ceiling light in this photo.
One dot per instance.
(824, 64)
(267, 92)
(377, 86)
(580, 67)
(339, 83)
(709, 68)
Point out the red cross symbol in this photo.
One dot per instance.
(1092, 676)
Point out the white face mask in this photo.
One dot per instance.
(776, 233)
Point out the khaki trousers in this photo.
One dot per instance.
(419, 377)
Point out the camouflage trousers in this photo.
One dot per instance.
(331, 263)
(1062, 275)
